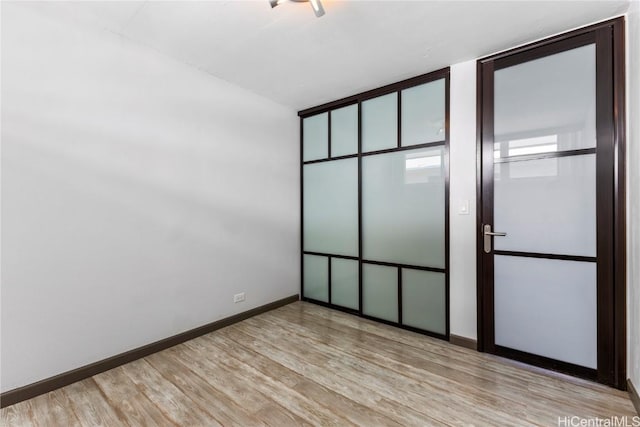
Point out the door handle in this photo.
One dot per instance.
(488, 234)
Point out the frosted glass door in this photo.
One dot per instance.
(547, 307)
(316, 277)
(374, 204)
(380, 123)
(344, 131)
(330, 207)
(424, 302)
(380, 292)
(403, 206)
(315, 140)
(547, 205)
(423, 113)
(544, 199)
(344, 283)
(548, 104)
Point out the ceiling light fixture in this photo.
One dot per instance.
(316, 5)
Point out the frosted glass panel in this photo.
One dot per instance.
(315, 137)
(331, 207)
(380, 123)
(547, 307)
(547, 104)
(380, 292)
(344, 131)
(344, 283)
(316, 277)
(546, 206)
(403, 206)
(424, 301)
(423, 113)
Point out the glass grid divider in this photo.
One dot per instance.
(442, 74)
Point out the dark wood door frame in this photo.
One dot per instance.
(611, 246)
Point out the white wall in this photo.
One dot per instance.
(462, 188)
(633, 192)
(138, 195)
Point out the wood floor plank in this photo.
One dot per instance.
(292, 400)
(208, 398)
(352, 386)
(306, 365)
(20, 414)
(488, 366)
(486, 363)
(89, 405)
(438, 401)
(355, 412)
(435, 347)
(404, 363)
(580, 394)
(122, 393)
(410, 362)
(175, 405)
(237, 388)
(54, 408)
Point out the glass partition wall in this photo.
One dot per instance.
(375, 211)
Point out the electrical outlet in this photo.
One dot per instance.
(238, 297)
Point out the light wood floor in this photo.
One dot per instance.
(306, 365)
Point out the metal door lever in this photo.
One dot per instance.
(488, 234)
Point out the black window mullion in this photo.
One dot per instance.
(329, 135)
(360, 208)
(399, 119)
(329, 279)
(400, 295)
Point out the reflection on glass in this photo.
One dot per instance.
(403, 205)
(315, 137)
(551, 96)
(526, 146)
(380, 292)
(316, 277)
(344, 283)
(330, 207)
(564, 223)
(344, 131)
(421, 166)
(423, 113)
(530, 170)
(547, 307)
(380, 123)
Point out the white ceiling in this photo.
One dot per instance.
(290, 56)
